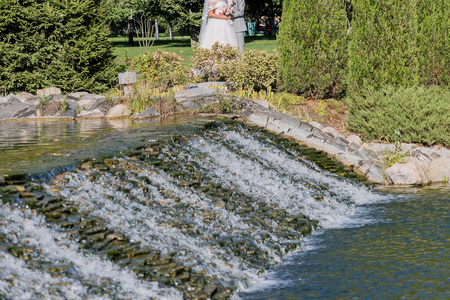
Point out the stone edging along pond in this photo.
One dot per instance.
(420, 165)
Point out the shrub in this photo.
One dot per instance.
(60, 43)
(313, 48)
(161, 69)
(382, 50)
(416, 114)
(214, 64)
(433, 42)
(255, 70)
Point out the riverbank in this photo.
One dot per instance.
(381, 163)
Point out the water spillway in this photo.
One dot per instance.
(148, 212)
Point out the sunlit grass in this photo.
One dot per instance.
(182, 46)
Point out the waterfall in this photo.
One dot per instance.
(203, 214)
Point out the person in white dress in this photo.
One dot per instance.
(216, 26)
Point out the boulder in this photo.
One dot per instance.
(52, 109)
(147, 113)
(379, 148)
(117, 111)
(317, 125)
(409, 172)
(263, 103)
(96, 113)
(93, 102)
(77, 95)
(14, 108)
(28, 98)
(426, 154)
(71, 109)
(86, 104)
(354, 139)
(375, 174)
(2, 100)
(439, 170)
(53, 93)
(333, 132)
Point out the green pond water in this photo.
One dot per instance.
(203, 207)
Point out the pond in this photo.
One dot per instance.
(203, 207)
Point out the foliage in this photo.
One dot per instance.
(382, 48)
(433, 42)
(256, 70)
(145, 96)
(416, 114)
(160, 69)
(215, 64)
(313, 48)
(392, 158)
(54, 43)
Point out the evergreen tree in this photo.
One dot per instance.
(433, 42)
(313, 47)
(383, 45)
(54, 43)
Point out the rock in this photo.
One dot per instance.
(369, 154)
(375, 174)
(214, 84)
(259, 119)
(407, 147)
(77, 95)
(317, 125)
(2, 180)
(426, 154)
(445, 152)
(2, 100)
(92, 102)
(14, 108)
(71, 108)
(86, 104)
(119, 110)
(379, 148)
(51, 109)
(149, 112)
(263, 103)
(28, 98)
(96, 113)
(410, 172)
(334, 132)
(52, 92)
(439, 170)
(354, 139)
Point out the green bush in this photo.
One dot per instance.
(160, 69)
(255, 70)
(54, 43)
(313, 48)
(433, 42)
(415, 114)
(214, 64)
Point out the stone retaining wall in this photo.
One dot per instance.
(421, 165)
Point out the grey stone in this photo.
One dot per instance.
(14, 108)
(369, 153)
(439, 170)
(127, 78)
(119, 110)
(298, 134)
(305, 126)
(28, 98)
(381, 148)
(100, 103)
(196, 93)
(354, 139)
(263, 103)
(72, 107)
(365, 166)
(407, 147)
(349, 158)
(77, 95)
(96, 113)
(317, 125)
(333, 132)
(147, 113)
(53, 92)
(214, 84)
(278, 125)
(354, 146)
(191, 105)
(426, 154)
(51, 109)
(408, 173)
(2, 100)
(259, 119)
(86, 104)
(375, 174)
(445, 152)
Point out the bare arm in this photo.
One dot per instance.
(212, 14)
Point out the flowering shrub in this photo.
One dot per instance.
(161, 68)
(213, 64)
(255, 70)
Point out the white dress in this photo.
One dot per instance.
(218, 30)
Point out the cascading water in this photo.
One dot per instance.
(200, 215)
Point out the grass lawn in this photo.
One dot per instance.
(182, 46)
